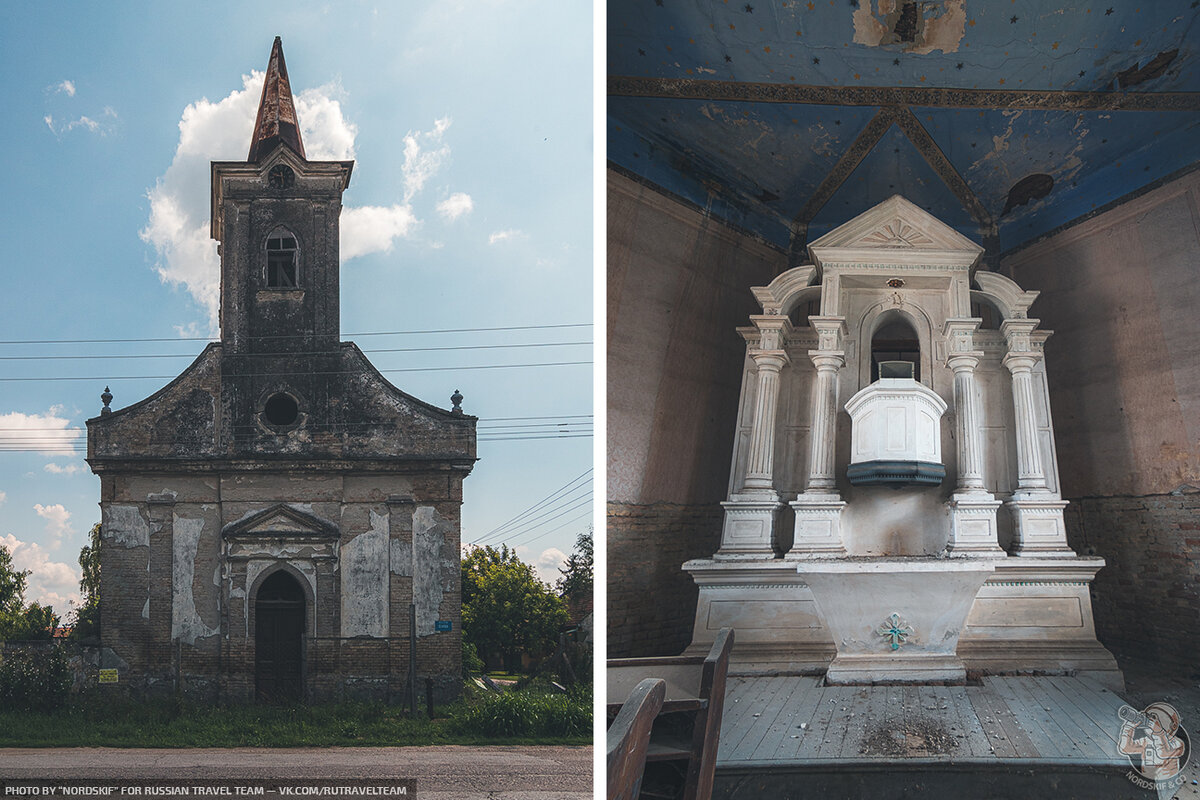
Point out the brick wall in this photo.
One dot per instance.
(651, 601)
(1121, 294)
(1147, 600)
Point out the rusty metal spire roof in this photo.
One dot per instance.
(276, 120)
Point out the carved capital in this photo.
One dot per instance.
(773, 330)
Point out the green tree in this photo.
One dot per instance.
(12, 585)
(87, 618)
(18, 621)
(506, 609)
(576, 580)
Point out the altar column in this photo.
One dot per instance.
(972, 508)
(1037, 512)
(752, 511)
(818, 509)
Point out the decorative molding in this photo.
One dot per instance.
(923, 97)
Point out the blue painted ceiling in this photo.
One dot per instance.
(789, 118)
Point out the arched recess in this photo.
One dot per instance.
(1012, 301)
(804, 304)
(781, 295)
(879, 316)
(281, 612)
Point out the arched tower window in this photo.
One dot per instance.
(895, 340)
(282, 261)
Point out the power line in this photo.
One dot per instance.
(552, 530)
(579, 503)
(538, 504)
(356, 424)
(103, 379)
(300, 336)
(304, 353)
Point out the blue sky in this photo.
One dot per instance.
(470, 207)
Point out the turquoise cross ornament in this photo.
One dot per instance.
(895, 629)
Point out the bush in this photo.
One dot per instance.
(472, 664)
(527, 714)
(34, 678)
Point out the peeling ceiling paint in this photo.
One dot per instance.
(759, 163)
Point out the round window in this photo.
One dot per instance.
(281, 410)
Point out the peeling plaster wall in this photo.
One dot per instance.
(431, 580)
(187, 625)
(364, 572)
(1121, 292)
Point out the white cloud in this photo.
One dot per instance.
(549, 562)
(502, 236)
(58, 521)
(103, 125)
(3, 497)
(63, 469)
(44, 433)
(50, 582)
(372, 229)
(456, 205)
(65, 86)
(178, 227)
(423, 156)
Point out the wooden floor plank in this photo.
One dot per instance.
(954, 723)
(758, 701)
(860, 723)
(1080, 744)
(821, 720)
(977, 740)
(786, 703)
(1024, 715)
(1062, 744)
(788, 748)
(990, 722)
(1022, 745)
(1103, 743)
(831, 745)
(762, 717)
(1098, 708)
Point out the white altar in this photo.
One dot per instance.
(852, 488)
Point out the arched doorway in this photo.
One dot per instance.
(278, 639)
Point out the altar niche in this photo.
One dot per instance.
(954, 465)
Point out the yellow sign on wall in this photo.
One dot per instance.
(108, 676)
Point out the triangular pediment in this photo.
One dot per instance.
(280, 520)
(895, 229)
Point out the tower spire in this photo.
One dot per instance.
(276, 120)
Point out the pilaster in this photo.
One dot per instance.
(818, 509)
(972, 508)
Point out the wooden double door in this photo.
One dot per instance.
(279, 616)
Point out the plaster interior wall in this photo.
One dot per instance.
(677, 291)
(1121, 289)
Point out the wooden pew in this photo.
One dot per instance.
(629, 738)
(688, 728)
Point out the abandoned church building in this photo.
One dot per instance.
(273, 517)
(904, 364)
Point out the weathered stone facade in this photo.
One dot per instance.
(281, 449)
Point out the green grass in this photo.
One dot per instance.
(101, 722)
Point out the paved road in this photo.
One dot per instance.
(441, 773)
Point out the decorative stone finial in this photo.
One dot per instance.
(456, 399)
(106, 398)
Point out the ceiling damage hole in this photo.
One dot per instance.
(1154, 67)
(908, 22)
(767, 197)
(1031, 187)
